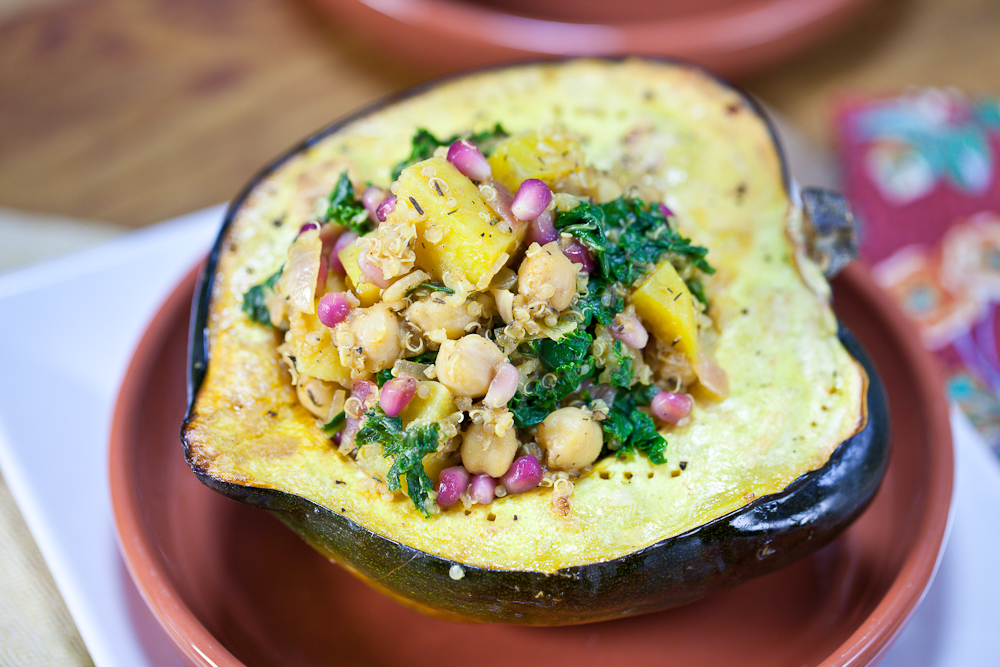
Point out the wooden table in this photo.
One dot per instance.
(133, 111)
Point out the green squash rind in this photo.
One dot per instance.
(763, 536)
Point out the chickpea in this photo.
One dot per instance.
(546, 274)
(466, 365)
(376, 332)
(315, 395)
(571, 439)
(484, 452)
(435, 312)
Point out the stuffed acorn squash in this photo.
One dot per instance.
(541, 344)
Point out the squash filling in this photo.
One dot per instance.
(501, 317)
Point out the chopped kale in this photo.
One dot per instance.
(565, 362)
(697, 290)
(256, 298)
(621, 376)
(627, 237)
(428, 357)
(569, 349)
(601, 303)
(645, 438)
(345, 209)
(335, 425)
(407, 448)
(380, 428)
(424, 144)
(628, 430)
(383, 376)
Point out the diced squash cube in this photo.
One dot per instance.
(367, 292)
(548, 155)
(665, 304)
(436, 405)
(459, 238)
(320, 360)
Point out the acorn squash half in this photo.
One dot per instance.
(754, 482)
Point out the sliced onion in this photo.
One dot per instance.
(328, 234)
(469, 160)
(580, 254)
(371, 198)
(665, 211)
(524, 474)
(499, 199)
(344, 240)
(371, 272)
(324, 269)
(711, 376)
(298, 280)
(308, 227)
(541, 230)
(333, 308)
(451, 485)
(503, 386)
(532, 197)
(385, 207)
(482, 489)
(671, 407)
(396, 394)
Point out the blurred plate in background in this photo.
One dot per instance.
(734, 38)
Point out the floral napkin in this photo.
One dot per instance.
(922, 172)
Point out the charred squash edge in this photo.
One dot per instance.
(765, 535)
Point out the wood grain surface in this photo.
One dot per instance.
(133, 111)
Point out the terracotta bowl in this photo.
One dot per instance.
(232, 586)
(732, 37)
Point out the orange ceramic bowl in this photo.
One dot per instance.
(232, 586)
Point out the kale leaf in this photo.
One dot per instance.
(569, 349)
(407, 448)
(600, 303)
(256, 298)
(424, 144)
(621, 376)
(628, 430)
(344, 208)
(626, 237)
(427, 357)
(565, 364)
(433, 287)
(697, 290)
(335, 425)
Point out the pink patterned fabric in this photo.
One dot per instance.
(923, 175)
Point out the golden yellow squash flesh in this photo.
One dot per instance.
(665, 304)
(458, 237)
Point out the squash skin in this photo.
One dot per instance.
(764, 536)
(767, 534)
